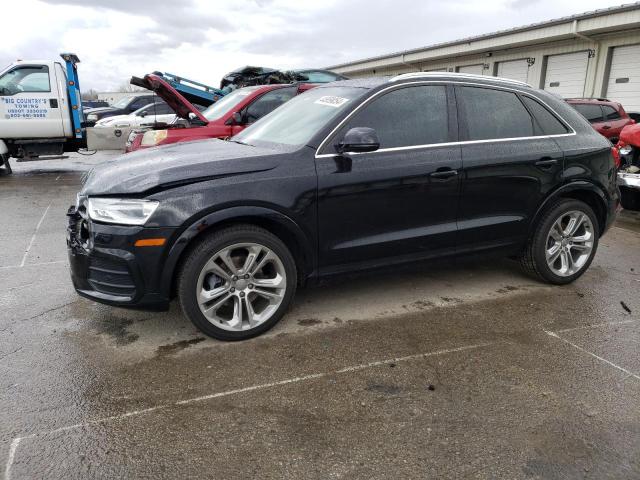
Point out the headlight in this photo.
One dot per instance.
(153, 137)
(92, 117)
(121, 211)
(626, 150)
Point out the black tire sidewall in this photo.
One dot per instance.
(198, 257)
(542, 231)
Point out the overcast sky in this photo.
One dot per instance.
(203, 40)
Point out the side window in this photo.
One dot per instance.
(164, 109)
(25, 79)
(546, 122)
(493, 114)
(610, 113)
(268, 102)
(591, 112)
(405, 117)
(139, 103)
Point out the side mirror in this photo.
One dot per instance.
(359, 139)
(143, 114)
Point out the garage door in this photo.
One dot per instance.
(475, 69)
(624, 77)
(566, 74)
(515, 70)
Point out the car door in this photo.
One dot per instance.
(29, 103)
(510, 163)
(400, 201)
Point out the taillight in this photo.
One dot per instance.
(616, 156)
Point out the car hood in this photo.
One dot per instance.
(163, 167)
(170, 95)
(101, 110)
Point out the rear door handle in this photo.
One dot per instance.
(546, 162)
(444, 173)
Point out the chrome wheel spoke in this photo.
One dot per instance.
(277, 282)
(251, 315)
(553, 253)
(211, 309)
(207, 296)
(253, 253)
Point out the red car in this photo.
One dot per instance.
(607, 117)
(228, 116)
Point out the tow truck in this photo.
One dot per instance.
(40, 109)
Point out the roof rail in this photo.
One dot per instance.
(469, 76)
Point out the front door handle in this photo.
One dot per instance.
(606, 127)
(444, 173)
(546, 162)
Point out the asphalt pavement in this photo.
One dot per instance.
(465, 369)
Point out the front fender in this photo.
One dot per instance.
(240, 212)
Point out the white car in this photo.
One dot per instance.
(149, 114)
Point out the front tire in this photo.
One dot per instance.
(237, 282)
(563, 243)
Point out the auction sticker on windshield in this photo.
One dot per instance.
(332, 101)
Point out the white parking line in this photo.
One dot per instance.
(33, 238)
(604, 360)
(354, 368)
(597, 325)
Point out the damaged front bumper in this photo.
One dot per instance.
(107, 267)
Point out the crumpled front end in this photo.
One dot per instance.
(107, 267)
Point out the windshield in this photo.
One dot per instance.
(227, 102)
(298, 120)
(123, 102)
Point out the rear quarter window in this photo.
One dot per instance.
(546, 122)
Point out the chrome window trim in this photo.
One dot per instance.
(572, 132)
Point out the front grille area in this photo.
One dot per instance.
(111, 276)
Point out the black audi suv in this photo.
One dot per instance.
(348, 176)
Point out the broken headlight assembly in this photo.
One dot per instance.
(121, 211)
(153, 137)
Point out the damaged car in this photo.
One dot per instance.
(248, 76)
(629, 172)
(224, 118)
(346, 177)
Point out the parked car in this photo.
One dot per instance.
(607, 117)
(345, 177)
(86, 104)
(228, 116)
(124, 106)
(154, 113)
(249, 76)
(629, 173)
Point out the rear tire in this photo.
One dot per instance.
(563, 243)
(5, 167)
(630, 198)
(237, 283)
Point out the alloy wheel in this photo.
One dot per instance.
(569, 243)
(241, 286)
